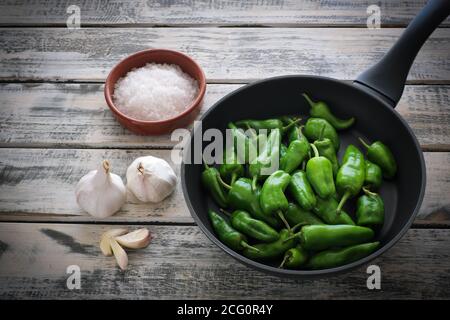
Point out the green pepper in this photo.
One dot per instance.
(320, 237)
(302, 191)
(296, 133)
(294, 156)
(351, 174)
(296, 215)
(268, 124)
(227, 234)
(370, 209)
(246, 150)
(326, 149)
(272, 193)
(381, 155)
(320, 174)
(317, 128)
(273, 200)
(272, 250)
(211, 182)
(326, 209)
(231, 169)
(338, 257)
(297, 151)
(257, 229)
(243, 197)
(321, 110)
(294, 258)
(373, 177)
(264, 161)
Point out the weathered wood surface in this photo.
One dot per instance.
(182, 263)
(37, 182)
(209, 12)
(76, 116)
(38, 185)
(226, 54)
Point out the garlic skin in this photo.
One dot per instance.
(150, 179)
(100, 192)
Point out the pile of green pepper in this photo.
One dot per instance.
(294, 215)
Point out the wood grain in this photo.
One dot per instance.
(226, 54)
(38, 185)
(181, 263)
(209, 12)
(76, 116)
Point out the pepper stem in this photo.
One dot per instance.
(254, 181)
(291, 124)
(295, 235)
(247, 246)
(368, 192)
(300, 131)
(233, 178)
(342, 202)
(252, 131)
(286, 257)
(223, 183)
(316, 152)
(311, 103)
(363, 143)
(300, 224)
(281, 215)
(225, 211)
(204, 163)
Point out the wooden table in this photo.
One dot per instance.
(55, 126)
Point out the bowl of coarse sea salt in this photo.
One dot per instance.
(155, 91)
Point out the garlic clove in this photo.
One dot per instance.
(135, 240)
(120, 254)
(105, 245)
(151, 179)
(100, 192)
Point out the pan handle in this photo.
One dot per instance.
(387, 78)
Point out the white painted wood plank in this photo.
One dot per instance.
(226, 54)
(206, 12)
(181, 263)
(76, 115)
(38, 185)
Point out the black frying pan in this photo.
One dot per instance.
(371, 98)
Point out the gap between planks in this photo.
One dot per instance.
(206, 25)
(415, 225)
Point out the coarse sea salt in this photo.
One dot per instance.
(155, 92)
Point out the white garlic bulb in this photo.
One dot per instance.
(150, 179)
(100, 192)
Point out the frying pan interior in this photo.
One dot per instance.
(375, 121)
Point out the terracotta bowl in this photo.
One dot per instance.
(141, 58)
